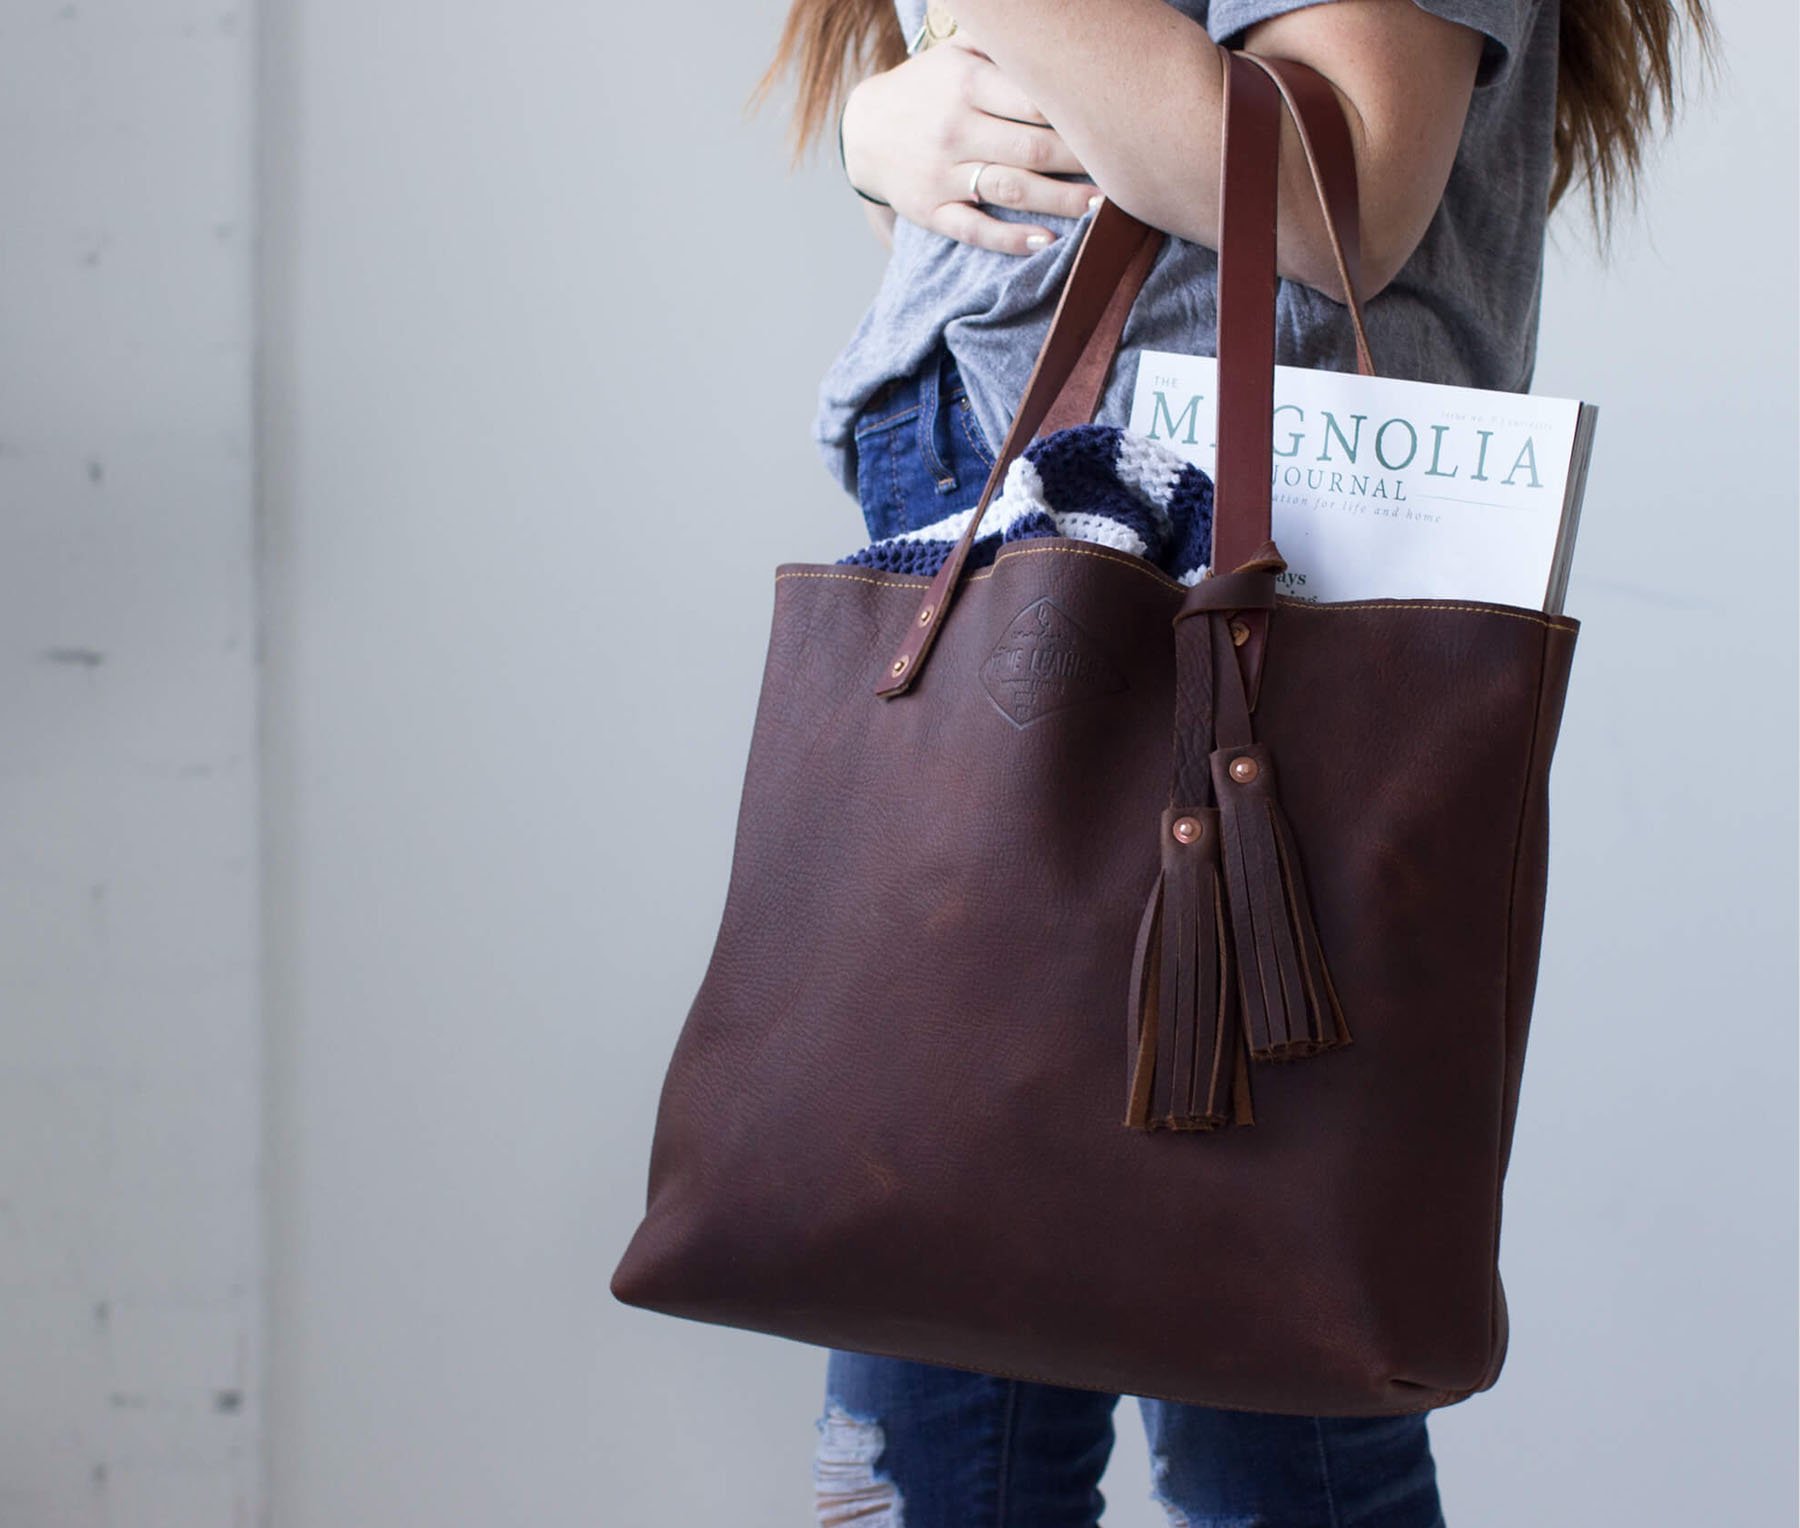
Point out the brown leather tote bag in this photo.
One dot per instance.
(1164, 1036)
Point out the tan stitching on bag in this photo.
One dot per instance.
(859, 578)
(912, 583)
(1535, 617)
(1135, 564)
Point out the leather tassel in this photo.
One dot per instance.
(1186, 1063)
(1290, 1008)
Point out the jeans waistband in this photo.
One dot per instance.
(936, 373)
(926, 397)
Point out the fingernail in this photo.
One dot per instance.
(1036, 240)
(1094, 201)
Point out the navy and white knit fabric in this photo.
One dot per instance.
(1094, 483)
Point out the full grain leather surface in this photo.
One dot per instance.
(892, 1119)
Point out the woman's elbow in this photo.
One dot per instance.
(1384, 257)
(1378, 261)
(1386, 243)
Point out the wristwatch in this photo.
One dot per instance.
(937, 24)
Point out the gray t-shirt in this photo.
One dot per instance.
(1463, 310)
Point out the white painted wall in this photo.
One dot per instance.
(542, 322)
(129, 1042)
(545, 328)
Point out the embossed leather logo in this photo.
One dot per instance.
(1044, 663)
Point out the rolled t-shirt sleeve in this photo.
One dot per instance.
(1502, 24)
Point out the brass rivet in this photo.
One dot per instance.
(1240, 633)
(1187, 829)
(1243, 769)
(899, 667)
(926, 614)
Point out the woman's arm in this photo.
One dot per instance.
(1136, 89)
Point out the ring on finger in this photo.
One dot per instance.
(975, 182)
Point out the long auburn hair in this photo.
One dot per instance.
(1616, 73)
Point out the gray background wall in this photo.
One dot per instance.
(130, 1121)
(541, 319)
(545, 333)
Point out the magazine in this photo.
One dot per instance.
(1389, 488)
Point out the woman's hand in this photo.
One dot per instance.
(914, 135)
(1137, 89)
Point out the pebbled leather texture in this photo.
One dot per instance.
(892, 1120)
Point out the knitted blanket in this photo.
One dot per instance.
(1093, 483)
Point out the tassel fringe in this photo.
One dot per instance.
(1187, 1065)
(1291, 1008)
(1228, 966)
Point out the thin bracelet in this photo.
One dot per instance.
(845, 166)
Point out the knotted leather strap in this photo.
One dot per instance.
(1228, 966)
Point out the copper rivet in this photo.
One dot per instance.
(1186, 829)
(900, 666)
(925, 616)
(1240, 633)
(1243, 769)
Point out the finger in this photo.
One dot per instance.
(1006, 185)
(999, 141)
(988, 88)
(967, 224)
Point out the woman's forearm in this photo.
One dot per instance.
(1136, 88)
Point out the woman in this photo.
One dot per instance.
(978, 140)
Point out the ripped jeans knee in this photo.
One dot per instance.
(1176, 1515)
(849, 1490)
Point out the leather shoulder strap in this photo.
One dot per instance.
(1248, 195)
(1115, 256)
(1115, 243)
(1331, 160)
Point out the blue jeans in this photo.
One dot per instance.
(911, 1445)
(920, 451)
